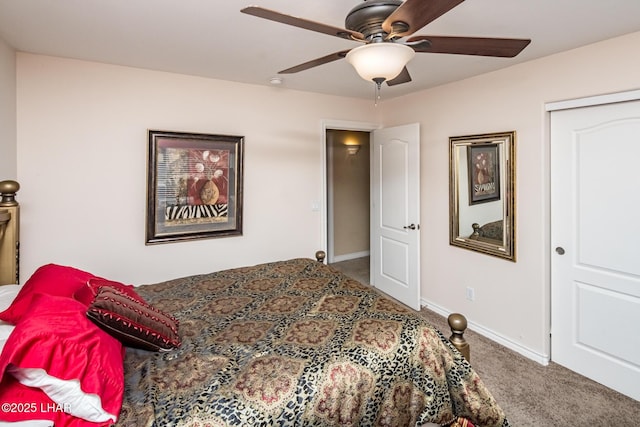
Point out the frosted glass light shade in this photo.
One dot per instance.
(380, 60)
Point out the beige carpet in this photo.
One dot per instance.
(529, 393)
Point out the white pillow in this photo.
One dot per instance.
(7, 295)
(5, 331)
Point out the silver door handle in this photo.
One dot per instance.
(560, 250)
(411, 227)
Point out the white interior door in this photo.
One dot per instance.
(595, 211)
(395, 213)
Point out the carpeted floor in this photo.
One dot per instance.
(529, 393)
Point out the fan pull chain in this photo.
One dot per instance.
(378, 83)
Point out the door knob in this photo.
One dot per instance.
(411, 227)
(560, 250)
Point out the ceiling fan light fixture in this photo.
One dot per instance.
(382, 61)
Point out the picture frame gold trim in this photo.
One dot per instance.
(487, 226)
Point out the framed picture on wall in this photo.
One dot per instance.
(194, 186)
(484, 173)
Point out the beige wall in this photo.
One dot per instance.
(7, 112)
(350, 193)
(511, 299)
(83, 154)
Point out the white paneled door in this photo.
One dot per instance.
(595, 233)
(395, 213)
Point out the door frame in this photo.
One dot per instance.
(327, 222)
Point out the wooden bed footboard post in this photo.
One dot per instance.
(9, 233)
(458, 324)
(320, 255)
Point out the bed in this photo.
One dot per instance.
(286, 343)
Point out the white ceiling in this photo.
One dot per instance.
(211, 38)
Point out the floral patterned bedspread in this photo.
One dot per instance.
(297, 343)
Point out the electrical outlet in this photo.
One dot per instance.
(471, 293)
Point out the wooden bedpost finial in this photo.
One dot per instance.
(458, 324)
(8, 190)
(320, 255)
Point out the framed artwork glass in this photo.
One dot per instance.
(194, 186)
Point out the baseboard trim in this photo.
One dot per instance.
(540, 358)
(347, 257)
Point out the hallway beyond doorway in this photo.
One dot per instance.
(357, 268)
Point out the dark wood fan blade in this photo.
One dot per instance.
(482, 46)
(416, 14)
(315, 62)
(302, 23)
(403, 77)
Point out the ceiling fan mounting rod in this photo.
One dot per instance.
(377, 38)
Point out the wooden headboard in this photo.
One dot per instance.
(9, 233)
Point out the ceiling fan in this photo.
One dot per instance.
(383, 27)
